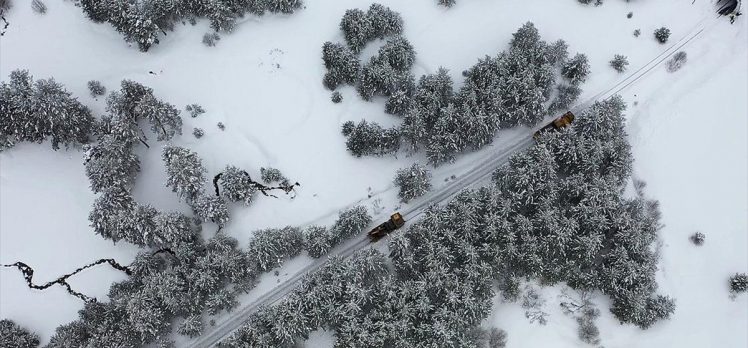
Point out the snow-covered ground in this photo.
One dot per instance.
(263, 81)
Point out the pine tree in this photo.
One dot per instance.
(349, 223)
(413, 182)
(271, 175)
(237, 185)
(163, 117)
(14, 336)
(619, 63)
(576, 69)
(399, 53)
(384, 21)
(357, 29)
(370, 139)
(210, 208)
(184, 172)
(662, 35)
(192, 326)
(111, 163)
(318, 241)
(342, 65)
(112, 214)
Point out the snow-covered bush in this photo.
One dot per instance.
(14, 336)
(662, 35)
(271, 175)
(198, 132)
(678, 60)
(211, 39)
(221, 126)
(336, 97)
(350, 222)
(96, 88)
(341, 63)
(237, 185)
(697, 238)
(38, 6)
(447, 3)
(637, 32)
(365, 139)
(619, 63)
(738, 283)
(195, 110)
(414, 181)
(185, 173)
(576, 69)
(33, 111)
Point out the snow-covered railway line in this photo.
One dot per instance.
(478, 174)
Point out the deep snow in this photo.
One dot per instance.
(263, 81)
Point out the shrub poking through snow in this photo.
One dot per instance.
(198, 132)
(14, 336)
(619, 63)
(414, 181)
(195, 110)
(447, 3)
(677, 62)
(637, 32)
(697, 238)
(662, 35)
(96, 88)
(739, 283)
(336, 97)
(211, 39)
(629, 15)
(221, 126)
(38, 6)
(5, 5)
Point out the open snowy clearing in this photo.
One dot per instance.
(264, 82)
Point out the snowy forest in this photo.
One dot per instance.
(370, 174)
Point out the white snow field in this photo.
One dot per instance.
(264, 82)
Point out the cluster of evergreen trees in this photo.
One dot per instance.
(14, 336)
(141, 22)
(516, 87)
(555, 213)
(35, 111)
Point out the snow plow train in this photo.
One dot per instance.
(561, 122)
(396, 221)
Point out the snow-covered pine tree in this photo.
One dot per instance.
(34, 111)
(342, 65)
(357, 29)
(270, 247)
(399, 53)
(172, 229)
(210, 208)
(576, 69)
(111, 163)
(185, 173)
(371, 139)
(237, 185)
(96, 88)
(619, 63)
(192, 326)
(112, 213)
(270, 175)
(447, 3)
(384, 21)
(350, 222)
(414, 181)
(662, 35)
(163, 117)
(318, 241)
(14, 336)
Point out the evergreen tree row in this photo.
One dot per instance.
(141, 22)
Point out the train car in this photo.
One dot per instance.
(396, 221)
(561, 122)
